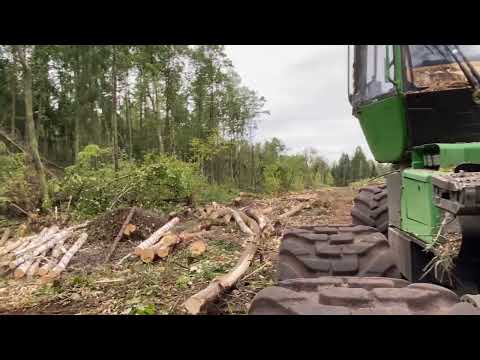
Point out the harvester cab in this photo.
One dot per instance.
(414, 242)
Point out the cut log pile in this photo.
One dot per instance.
(42, 254)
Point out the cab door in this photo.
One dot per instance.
(377, 101)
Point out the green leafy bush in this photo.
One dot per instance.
(17, 183)
(155, 183)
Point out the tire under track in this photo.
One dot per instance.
(335, 250)
(358, 296)
(370, 208)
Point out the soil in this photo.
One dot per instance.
(88, 286)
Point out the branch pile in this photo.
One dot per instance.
(41, 254)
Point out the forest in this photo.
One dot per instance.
(95, 127)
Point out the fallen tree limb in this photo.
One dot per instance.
(258, 216)
(4, 238)
(120, 234)
(156, 236)
(63, 263)
(251, 223)
(196, 303)
(241, 223)
(293, 211)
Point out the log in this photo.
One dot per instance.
(45, 235)
(148, 255)
(4, 238)
(292, 211)
(166, 245)
(196, 303)
(33, 269)
(15, 244)
(156, 236)
(258, 216)
(241, 223)
(21, 271)
(120, 234)
(61, 236)
(63, 263)
(161, 249)
(56, 252)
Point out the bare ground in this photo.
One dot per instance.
(91, 287)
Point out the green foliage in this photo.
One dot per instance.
(149, 309)
(15, 184)
(154, 183)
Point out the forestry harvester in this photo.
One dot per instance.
(414, 243)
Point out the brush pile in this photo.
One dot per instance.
(42, 254)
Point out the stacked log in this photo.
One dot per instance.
(38, 254)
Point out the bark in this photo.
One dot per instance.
(63, 263)
(30, 125)
(120, 234)
(156, 236)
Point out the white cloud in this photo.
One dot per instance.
(306, 91)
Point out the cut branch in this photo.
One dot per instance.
(258, 216)
(241, 223)
(120, 234)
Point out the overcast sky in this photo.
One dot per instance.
(306, 91)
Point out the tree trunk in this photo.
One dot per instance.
(30, 126)
(13, 94)
(114, 109)
(129, 124)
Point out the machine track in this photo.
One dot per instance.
(358, 296)
(370, 208)
(335, 250)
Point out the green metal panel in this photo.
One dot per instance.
(419, 216)
(383, 123)
(451, 155)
